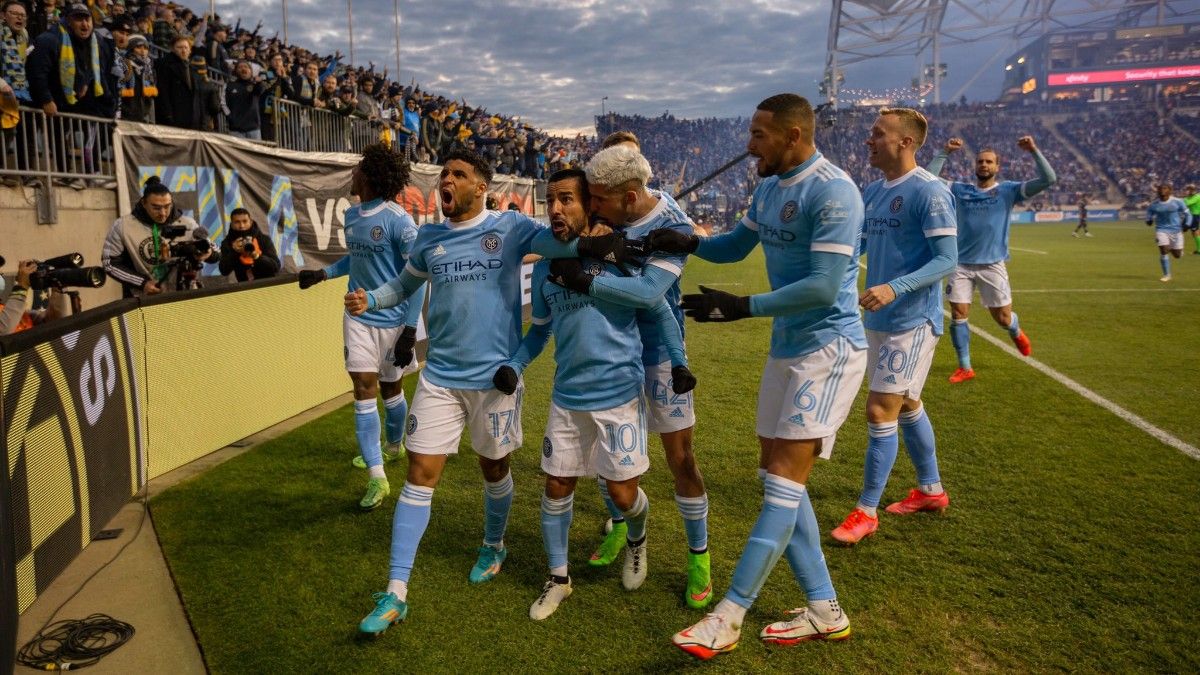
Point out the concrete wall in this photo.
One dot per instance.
(84, 218)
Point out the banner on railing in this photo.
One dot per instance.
(298, 198)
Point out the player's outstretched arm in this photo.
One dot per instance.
(642, 292)
(939, 160)
(388, 295)
(729, 247)
(1046, 176)
(818, 289)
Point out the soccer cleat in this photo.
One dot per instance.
(855, 527)
(1087, 234)
(962, 375)
(1023, 344)
(804, 627)
(613, 542)
(708, 637)
(699, 586)
(488, 565)
(1165, 277)
(919, 501)
(634, 571)
(388, 611)
(1075, 234)
(391, 453)
(553, 593)
(377, 489)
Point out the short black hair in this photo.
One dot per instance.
(790, 110)
(482, 168)
(568, 174)
(240, 211)
(386, 170)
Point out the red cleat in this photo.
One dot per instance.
(1022, 343)
(919, 501)
(962, 375)
(855, 527)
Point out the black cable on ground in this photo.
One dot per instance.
(71, 644)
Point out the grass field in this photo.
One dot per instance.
(1071, 542)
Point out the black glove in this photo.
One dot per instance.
(612, 248)
(682, 380)
(713, 305)
(505, 380)
(311, 278)
(671, 241)
(402, 353)
(568, 273)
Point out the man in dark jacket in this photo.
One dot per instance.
(246, 251)
(243, 96)
(176, 102)
(92, 89)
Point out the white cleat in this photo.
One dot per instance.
(634, 571)
(1087, 234)
(552, 594)
(1165, 277)
(806, 626)
(712, 635)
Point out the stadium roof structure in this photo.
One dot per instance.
(860, 30)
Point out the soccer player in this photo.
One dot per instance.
(1167, 215)
(1083, 204)
(378, 344)
(617, 178)
(807, 214)
(983, 212)
(472, 262)
(1193, 203)
(597, 422)
(910, 243)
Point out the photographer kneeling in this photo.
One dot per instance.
(246, 251)
(141, 251)
(15, 312)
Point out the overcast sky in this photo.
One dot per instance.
(551, 61)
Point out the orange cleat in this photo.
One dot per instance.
(962, 375)
(919, 501)
(1022, 343)
(855, 527)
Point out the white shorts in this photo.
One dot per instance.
(899, 362)
(1169, 239)
(437, 415)
(609, 443)
(369, 349)
(992, 280)
(667, 411)
(810, 396)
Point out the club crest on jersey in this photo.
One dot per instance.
(490, 243)
(897, 204)
(547, 447)
(412, 425)
(376, 233)
(788, 211)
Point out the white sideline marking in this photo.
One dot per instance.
(1137, 421)
(724, 283)
(1105, 290)
(1028, 250)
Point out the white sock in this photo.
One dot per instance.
(376, 472)
(399, 589)
(826, 610)
(732, 611)
(932, 488)
(560, 571)
(869, 510)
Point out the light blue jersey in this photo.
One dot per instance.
(984, 216)
(812, 208)
(474, 274)
(1169, 215)
(664, 214)
(596, 343)
(379, 239)
(900, 215)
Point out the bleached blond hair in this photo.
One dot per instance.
(618, 166)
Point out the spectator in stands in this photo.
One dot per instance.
(278, 88)
(14, 43)
(210, 99)
(43, 14)
(164, 28)
(246, 251)
(139, 88)
(432, 136)
(176, 104)
(330, 93)
(344, 103)
(15, 315)
(214, 48)
(129, 254)
(243, 97)
(412, 123)
(307, 88)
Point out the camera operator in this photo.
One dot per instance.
(15, 312)
(156, 248)
(246, 251)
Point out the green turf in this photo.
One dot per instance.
(1070, 544)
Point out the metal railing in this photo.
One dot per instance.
(300, 127)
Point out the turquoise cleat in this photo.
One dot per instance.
(388, 610)
(488, 565)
